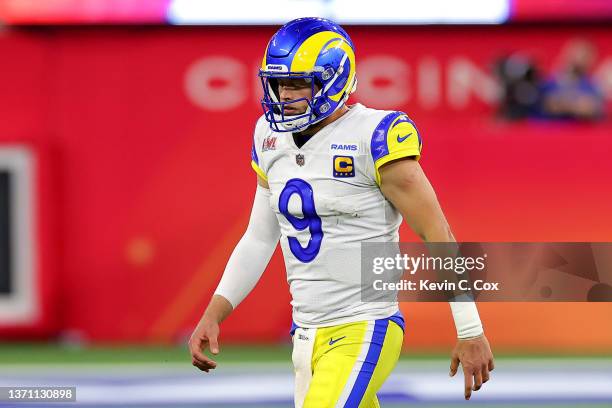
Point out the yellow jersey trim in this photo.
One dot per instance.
(398, 154)
(258, 170)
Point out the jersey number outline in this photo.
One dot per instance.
(311, 219)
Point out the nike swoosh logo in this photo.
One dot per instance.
(401, 139)
(332, 341)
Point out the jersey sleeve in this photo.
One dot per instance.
(256, 163)
(395, 137)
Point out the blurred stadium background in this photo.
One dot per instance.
(125, 183)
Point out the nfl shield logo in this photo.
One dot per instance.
(299, 159)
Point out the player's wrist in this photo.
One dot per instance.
(210, 319)
(218, 309)
(211, 316)
(476, 337)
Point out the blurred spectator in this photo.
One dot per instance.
(521, 87)
(571, 92)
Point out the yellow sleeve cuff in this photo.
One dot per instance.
(258, 170)
(394, 156)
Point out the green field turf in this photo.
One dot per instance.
(16, 353)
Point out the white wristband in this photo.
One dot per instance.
(467, 320)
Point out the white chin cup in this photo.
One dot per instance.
(300, 122)
(295, 124)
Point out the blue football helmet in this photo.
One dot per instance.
(314, 49)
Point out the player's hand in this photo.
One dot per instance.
(476, 360)
(204, 336)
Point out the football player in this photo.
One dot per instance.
(330, 176)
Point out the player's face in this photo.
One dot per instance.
(295, 88)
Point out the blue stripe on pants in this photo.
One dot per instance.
(367, 369)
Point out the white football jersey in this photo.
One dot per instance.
(327, 200)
